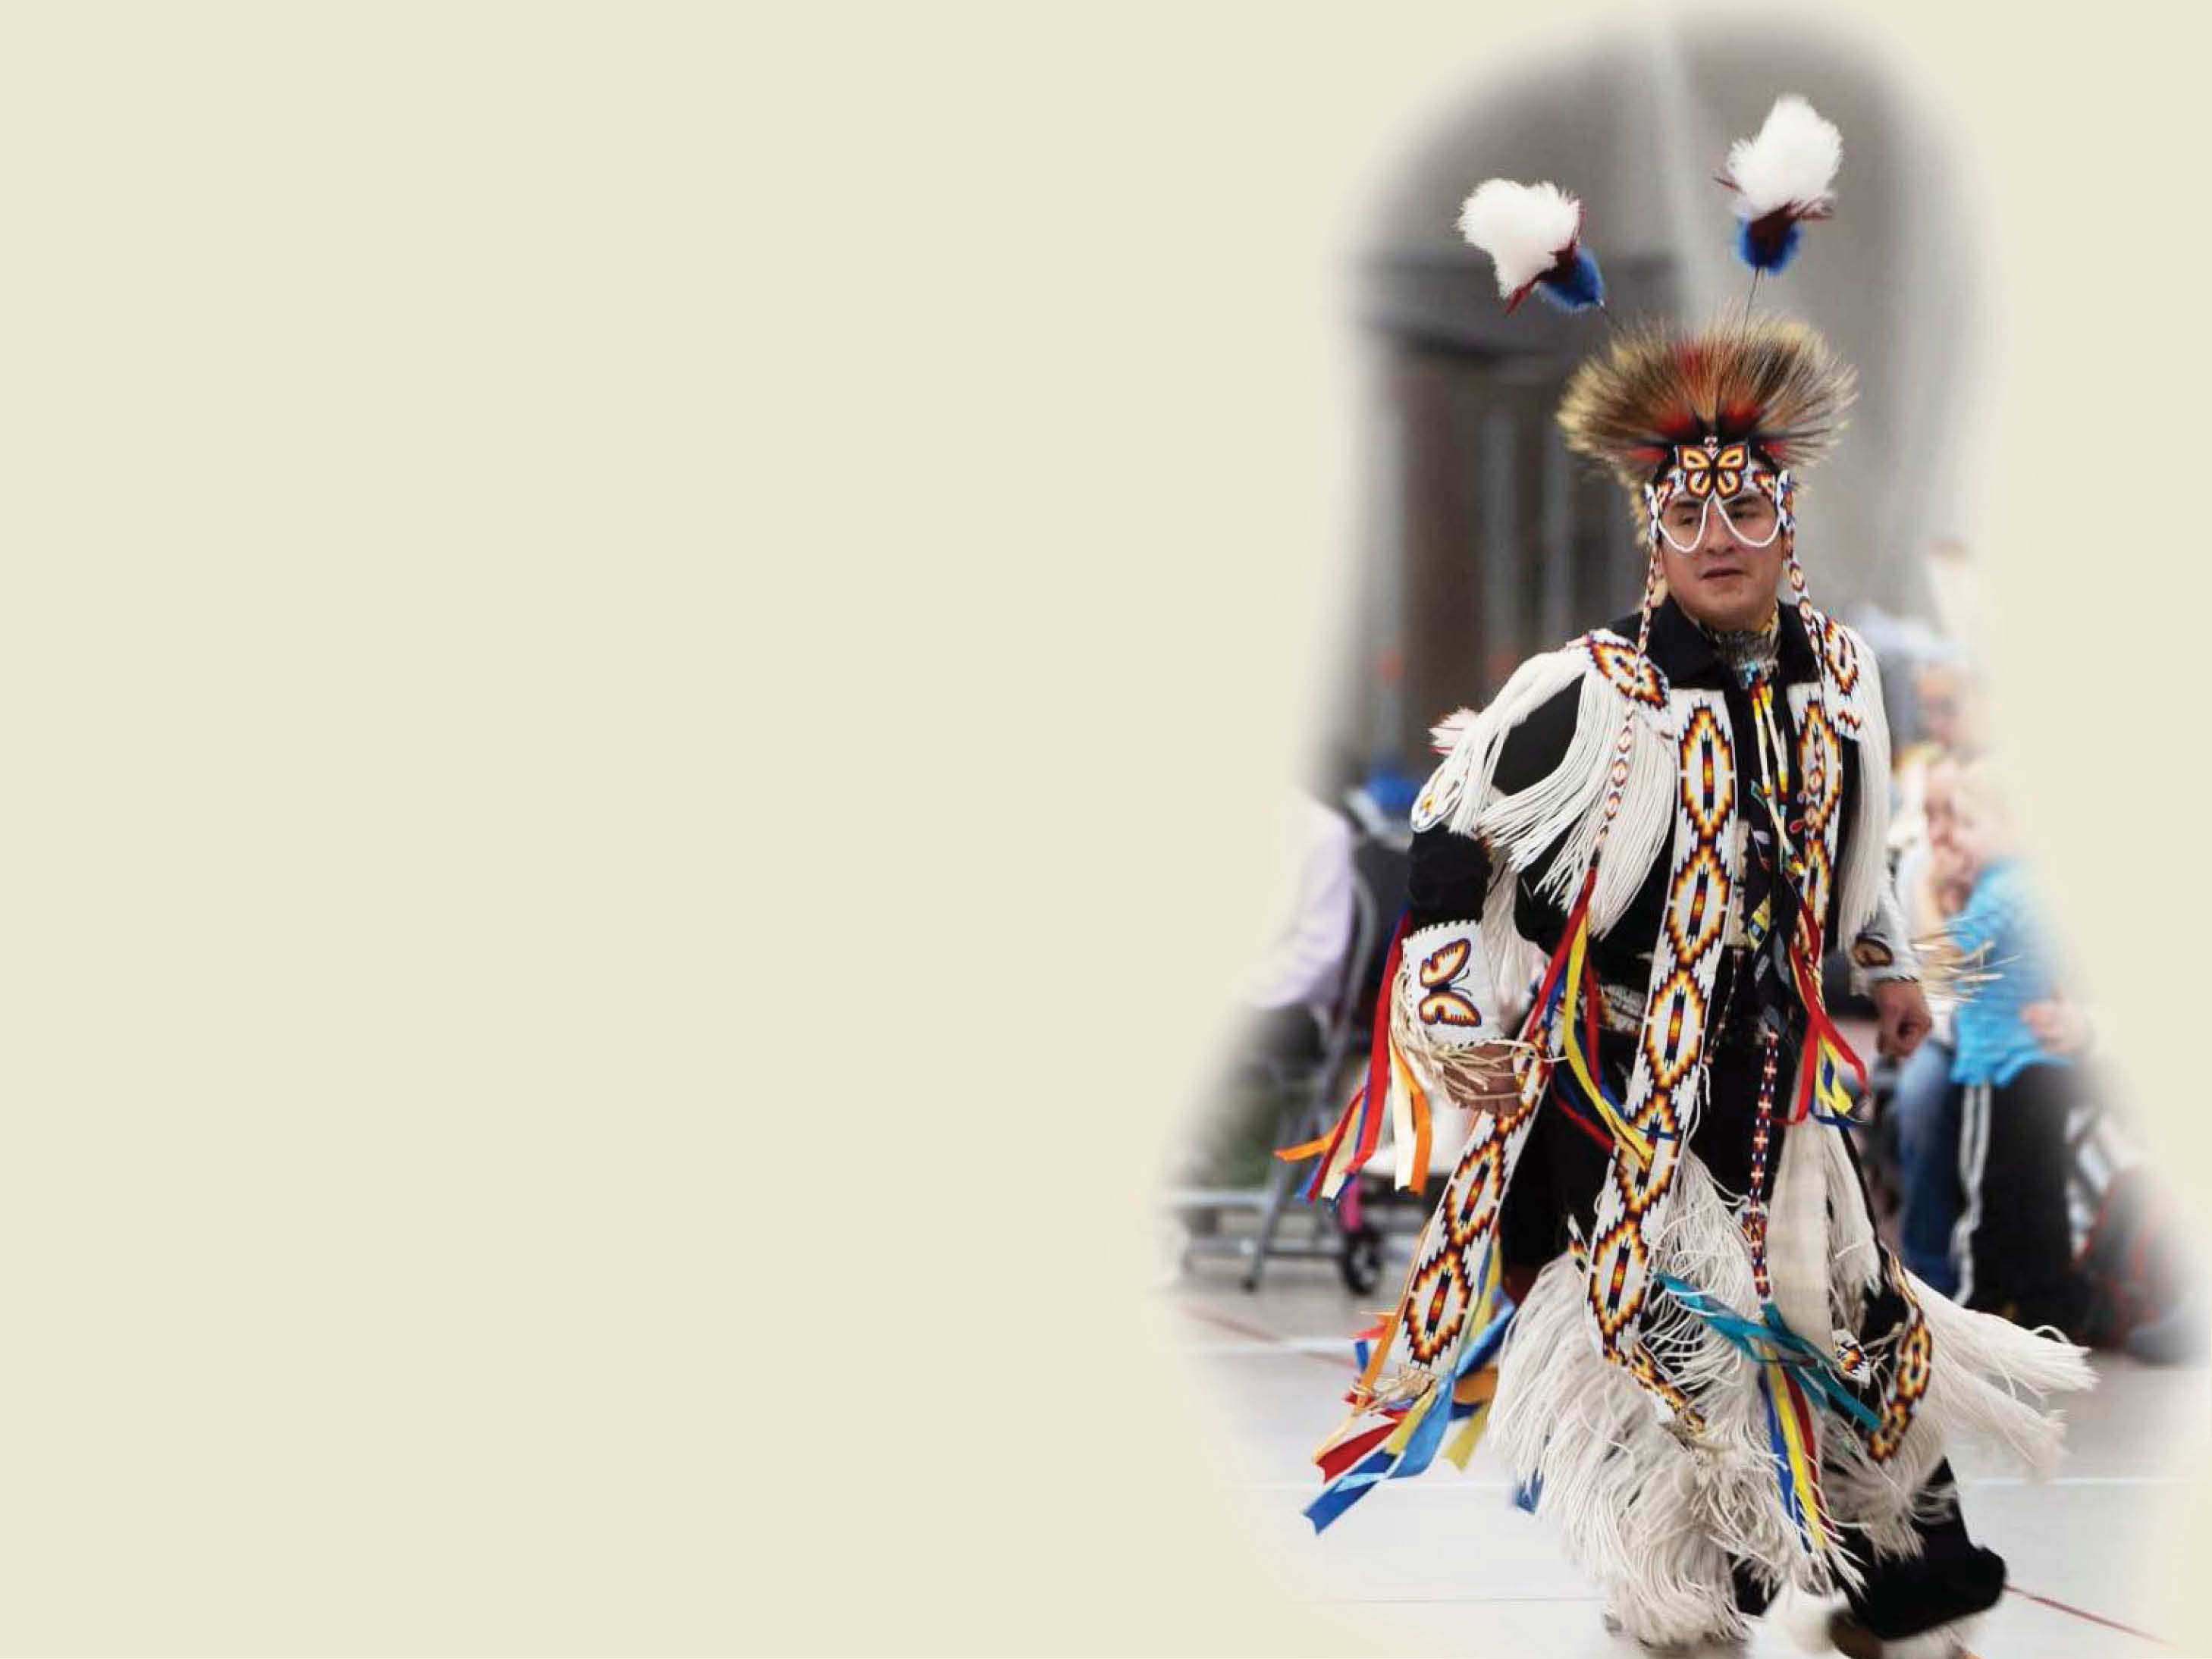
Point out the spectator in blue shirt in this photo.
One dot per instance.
(2012, 1247)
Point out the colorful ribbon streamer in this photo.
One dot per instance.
(1345, 1150)
(1407, 1439)
(1770, 1341)
(1796, 1456)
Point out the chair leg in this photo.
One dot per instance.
(1281, 1177)
(1279, 1182)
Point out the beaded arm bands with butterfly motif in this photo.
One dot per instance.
(1437, 1033)
(1446, 977)
(1446, 1030)
(1474, 1067)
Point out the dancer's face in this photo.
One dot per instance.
(1715, 571)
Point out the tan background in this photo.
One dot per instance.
(643, 648)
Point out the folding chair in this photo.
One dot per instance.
(1309, 1106)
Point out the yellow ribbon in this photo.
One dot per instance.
(1637, 1145)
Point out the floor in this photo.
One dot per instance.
(1445, 1564)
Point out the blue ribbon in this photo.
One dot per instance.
(1771, 1341)
(1421, 1450)
(1348, 1488)
(1429, 1434)
(1768, 1383)
(1481, 1352)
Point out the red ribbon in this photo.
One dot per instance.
(1366, 1105)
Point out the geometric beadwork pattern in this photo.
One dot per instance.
(1449, 1259)
(1662, 1090)
(1626, 669)
(1841, 671)
(1901, 1375)
(1820, 764)
(1906, 1380)
(1843, 656)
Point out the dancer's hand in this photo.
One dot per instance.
(1904, 1019)
(1482, 1076)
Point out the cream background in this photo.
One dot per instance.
(641, 647)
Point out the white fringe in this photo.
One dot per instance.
(1799, 1263)
(1888, 1501)
(1985, 1368)
(1654, 1517)
(1514, 963)
(1702, 1244)
(1444, 735)
(1621, 1487)
(1457, 789)
(1987, 1381)
(1855, 1256)
(1641, 830)
(1523, 824)
(1863, 873)
(1567, 802)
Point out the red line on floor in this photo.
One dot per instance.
(1255, 1333)
(2093, 1618)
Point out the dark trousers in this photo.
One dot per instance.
(1563, 1167)
(2012, 1247)
(1952, 1578)
(1924, 1107)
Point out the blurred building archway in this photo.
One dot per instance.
(1484, 540)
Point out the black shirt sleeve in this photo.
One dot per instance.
(1451, 872)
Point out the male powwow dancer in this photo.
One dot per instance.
(1720, 1384)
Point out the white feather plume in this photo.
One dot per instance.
(1792, 162)
(1523, 227)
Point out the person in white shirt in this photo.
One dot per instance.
(1292, 992)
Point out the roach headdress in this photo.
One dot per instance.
(1668, 410)
(1771, 383)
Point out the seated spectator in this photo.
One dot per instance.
(1924, 1102)
(1944, 711)
(1291, 993)
(2012, 1247)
